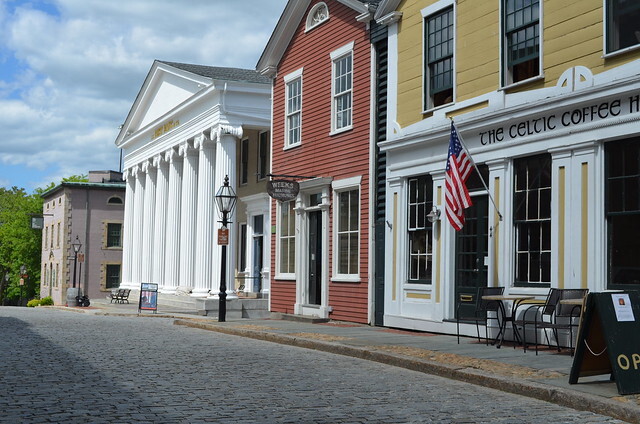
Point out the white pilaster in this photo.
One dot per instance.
(205, 217)
(159, 236)
(227, 137)
(188, 215)
(146, 256)
(127, 247)
(172, 258)
(138, 227)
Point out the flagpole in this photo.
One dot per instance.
(464, 146)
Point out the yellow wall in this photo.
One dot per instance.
(572, 36)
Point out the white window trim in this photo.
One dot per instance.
(297, 74)
(428, 11)
(335, 55)
(605, 27)
(283, 275)
(338, 186)
(310, 24)
(503, 60)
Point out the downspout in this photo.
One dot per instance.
(372, 191)
(86, 241)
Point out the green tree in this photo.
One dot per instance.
(19, 244)
(84, 178)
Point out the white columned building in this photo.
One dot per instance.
(172, 260)
(180, 139)
(159, 233)
(204, 221)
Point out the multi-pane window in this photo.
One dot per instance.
(622, 202)
(521, 39)
(293, 111)
(532, 219)
(348, 231)
(244, 161)
(112, 280)
(263, 155)
(287, 238)
(622, 24)
(342, 91)
(114, 235)
(420, 203)
(439, 47)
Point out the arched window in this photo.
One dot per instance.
(114, 200)
(317, 15)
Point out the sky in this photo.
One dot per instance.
(70, 71)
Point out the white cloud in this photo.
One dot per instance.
(80, 68)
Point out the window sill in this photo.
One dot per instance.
(435, 108)
(523, 82)
(341, 130)
(344, 278)
(292, 146)
(285, 277)
(620, 52)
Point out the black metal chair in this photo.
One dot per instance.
(481, 307)
(545, 315)
(563, 318)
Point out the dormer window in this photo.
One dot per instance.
(115, 200)
(317, 15)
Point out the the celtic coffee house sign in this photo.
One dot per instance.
(283, 190)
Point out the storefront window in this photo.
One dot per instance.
(287, 238)
(420, 229)
(532, 220)
(623, 213)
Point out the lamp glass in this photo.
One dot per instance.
(226, 198)
(76, 245)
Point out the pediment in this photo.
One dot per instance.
(165, 88)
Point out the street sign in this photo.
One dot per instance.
(22, 281)
(223, 236)
(80, 257)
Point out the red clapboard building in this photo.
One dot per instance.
(319, 58)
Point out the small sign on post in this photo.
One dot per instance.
(223, 236)
(148, 297)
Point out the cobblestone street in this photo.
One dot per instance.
(65, 367)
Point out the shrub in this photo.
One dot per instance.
(33, 303)
(46, 301)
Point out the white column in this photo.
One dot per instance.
(149, 222)
(172, 258)
(138, 225)
(205, 217)
(188, 215)
(227, 137)
(127, 246)
(159, 235)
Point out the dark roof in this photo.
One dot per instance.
(216, 72)
(89, 186)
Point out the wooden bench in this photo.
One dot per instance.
(120, 295)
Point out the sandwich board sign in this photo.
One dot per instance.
(148, 297)
(609, 340)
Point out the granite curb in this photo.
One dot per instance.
(557, 395)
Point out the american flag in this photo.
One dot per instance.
(456, 195)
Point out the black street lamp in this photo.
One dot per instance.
(226, 201)
(23, 272)
(76, 248)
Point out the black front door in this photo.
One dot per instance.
(315, 258)
(472, 255)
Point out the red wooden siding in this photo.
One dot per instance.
(339, 156)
